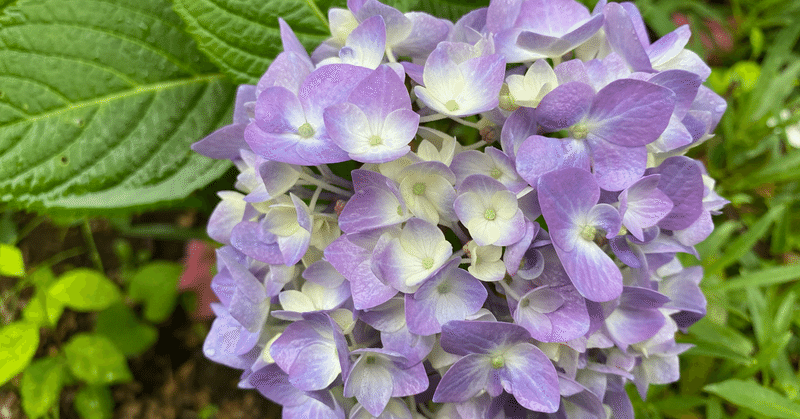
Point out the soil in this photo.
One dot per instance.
(172, 379)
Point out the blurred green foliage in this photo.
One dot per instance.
(94, 360)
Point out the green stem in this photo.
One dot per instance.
(30, 227)
(89, 238)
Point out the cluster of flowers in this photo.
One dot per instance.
(530, 274)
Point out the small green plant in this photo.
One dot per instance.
(94, 360)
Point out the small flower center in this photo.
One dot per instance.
(305, 130)
(399, 210)
(524, 302)
(496, 173)
(489, 214)
(588, 232)
(375, 140)
(507, 101)
(370, 360)
(498, 362)
(451, 105)
(579, 131)
(443, 288)
(427, 263)
(418, 188)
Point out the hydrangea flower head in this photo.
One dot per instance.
(380, 264)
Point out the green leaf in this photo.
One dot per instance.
(11, 263)
(94, 359)
(43, 309)
(18, 344)
(756, 398)
(746, 241)
(41, 386)
(156, 285)
(242, 37)
(450, 9)
(42, 276)
(94, 402)
(725, 336)
(120, 326)
(85, 289)
(764, 277)
(99, 102)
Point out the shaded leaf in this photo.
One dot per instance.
(18, 344)
(94, 359)
(100, 102)
(41, 386)
(85, 290)
(155, 284)
(43, 309)
(450, 9)
(120, 326)
(94, 402)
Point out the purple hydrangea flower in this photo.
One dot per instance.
(377, 266)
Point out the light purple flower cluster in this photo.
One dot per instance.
(444, 280)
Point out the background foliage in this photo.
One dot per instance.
(100, 100)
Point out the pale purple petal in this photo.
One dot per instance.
(329, 85)
(564, 106)
(565, 197)
(426, 32)
(530, 376)
(642, 205)
(371, 386)
(368, 41)
(669, 45)
(594, 273)
(540, 155)
(621, 34)
(464, 380)
(469, 337)
(223, 143)
(451, 294)
(520, 125)
(248, 238)
(681, 180)
(288, 70)
(631, 112)
(616, 167)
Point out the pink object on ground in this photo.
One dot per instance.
(200, 261)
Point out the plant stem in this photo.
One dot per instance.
(89, 238)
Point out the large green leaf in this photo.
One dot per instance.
(99, 102)
(242, 36)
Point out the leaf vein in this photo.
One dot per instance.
(94, 64)
(65, 183)
(49, 88)
(64, 145)
(172, 58)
